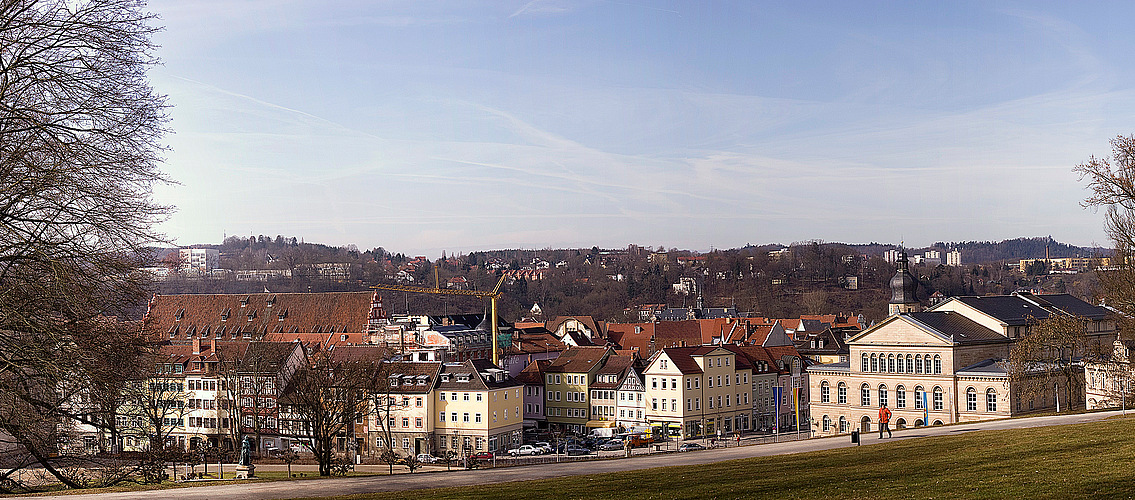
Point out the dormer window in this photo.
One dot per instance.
(179, 314)
(225, 314)
(463, 377)
(445, 377)
(283, 314)
(271, 300)
(394, 381)
(251, 315)
(244, 301)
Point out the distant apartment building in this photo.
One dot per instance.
(954, 258)
(201, 260)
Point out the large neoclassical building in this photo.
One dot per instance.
(942, 365)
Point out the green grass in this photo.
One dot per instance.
(1091, 460)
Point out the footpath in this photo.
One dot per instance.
(438, 477)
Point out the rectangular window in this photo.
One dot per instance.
(991, 401)
(882, 397)
(477, 418)
(417, 422)
(900, 397)
(465, 417)
(918, 395)
(654, 404)
(937, 400)
(865, 396)
(971, 401)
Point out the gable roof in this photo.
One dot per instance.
(578, 360)
(956, 327)
(1020, 308)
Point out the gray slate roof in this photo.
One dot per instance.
(962, 329)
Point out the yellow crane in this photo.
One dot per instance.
(438, 290)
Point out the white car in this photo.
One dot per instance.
(544, 446)
(426, 458)
(525, 449)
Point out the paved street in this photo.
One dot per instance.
(354, 485)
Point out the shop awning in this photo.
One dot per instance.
(597, 424)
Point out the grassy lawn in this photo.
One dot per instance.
(1092, 460)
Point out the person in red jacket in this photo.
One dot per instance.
(884, 421)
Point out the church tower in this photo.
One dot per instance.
(904, 289)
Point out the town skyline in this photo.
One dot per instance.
(553, 124)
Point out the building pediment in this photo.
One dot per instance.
(901, 329)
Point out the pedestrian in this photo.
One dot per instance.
(884, 421)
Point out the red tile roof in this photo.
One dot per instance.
(308, 317)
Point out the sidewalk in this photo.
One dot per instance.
(403, 482)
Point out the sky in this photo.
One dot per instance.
(465, 125)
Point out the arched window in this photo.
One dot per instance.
(938, 400)
(883, 400)
(866, 367)
(900, 397)
(874, 363)
(918, 364)
(937, 422)
(827, 423)
(919, 398)
(900, 423)
(841, 393)
(900, 367)
(909, 364)
(937, 364)
(890, 363)
(918, 422)
(991, 399)
(825, 392)
(843, 424)
(865, 395)
(928, 368)
(865, 425)
(971, 399)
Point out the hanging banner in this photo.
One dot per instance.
(776, 407)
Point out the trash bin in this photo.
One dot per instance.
(855, 437)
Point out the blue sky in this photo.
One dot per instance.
(427, 126)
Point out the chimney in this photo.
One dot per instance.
(213, 345)
(196, 345)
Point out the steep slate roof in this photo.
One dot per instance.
(615, 365)
(1069, 304)
(265, 357)
(476, 382)
(958, 327)
(427, 372)
(577, 360)
(1021, 307)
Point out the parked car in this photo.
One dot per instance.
(525, 450)
(614, 444)
(426, 458)
(482, 455)
(576, 450)
(544, 447)
(690, 447)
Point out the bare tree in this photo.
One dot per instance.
(1052, 355)
(323, 401)
(1111, 180)
(79, 153)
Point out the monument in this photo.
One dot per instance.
(244, 468)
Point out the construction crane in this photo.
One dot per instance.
(438, 290)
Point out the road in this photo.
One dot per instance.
(399, 482)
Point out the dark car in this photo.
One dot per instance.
(483, 455)
(577, 450)
(690, 447)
